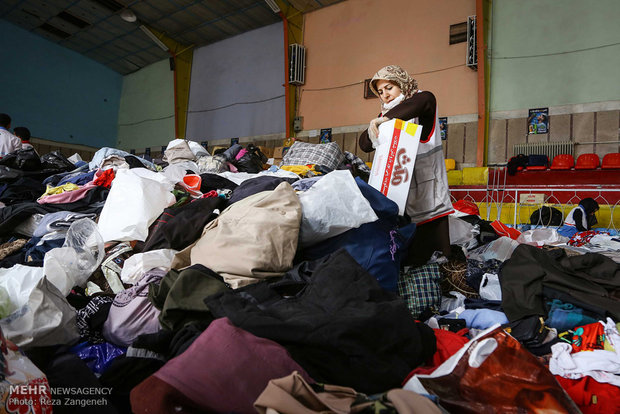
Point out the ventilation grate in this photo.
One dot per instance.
(550, 149)
(458, 33)
(297, 64)
(472, 45)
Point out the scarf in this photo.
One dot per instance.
(408, 86)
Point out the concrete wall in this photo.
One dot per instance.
(561, 55)
(58, 94)
(553, 53)
(146, 114)
(349, 41)
(590, 131)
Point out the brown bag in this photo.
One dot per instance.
(509, 379)
(293, 395)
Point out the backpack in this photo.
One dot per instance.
(546, 216)
(515, 162)
(252, 161)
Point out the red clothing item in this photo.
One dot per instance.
(104, 179)
(466, 206)
(589, 337)
(448, 344)
(503, 230)
(591, 396)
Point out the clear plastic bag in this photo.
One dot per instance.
(81, 254)
(500, 249)
(463, 233)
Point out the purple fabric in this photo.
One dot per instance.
(226, 368)
(132, 313)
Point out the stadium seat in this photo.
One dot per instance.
(537, 162)
(563, 162)
(611, 160)
(587, 162)
(450, 164)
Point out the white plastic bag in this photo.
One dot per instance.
(449, 304)
(333, 205)
(539, 237)
(43, 316)
(137, 197)
(74, 263)
(490, 289)
(137, 265)
(197, 149)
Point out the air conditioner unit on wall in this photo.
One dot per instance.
(297, 64)
(472, 46)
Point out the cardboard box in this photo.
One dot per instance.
(392, 166)
(278, 152)
(268, 151)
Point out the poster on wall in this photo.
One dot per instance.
(443, 128)
(538, 121)
(326, 136)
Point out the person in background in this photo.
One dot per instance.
(428, 202)
(23, 133)
(580, 218)
(8, 142)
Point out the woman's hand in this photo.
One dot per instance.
(373, 130)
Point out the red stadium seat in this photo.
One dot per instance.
(563, 162)
(587, 162)
(611, 160)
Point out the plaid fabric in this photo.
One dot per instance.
(356, 162)
(303, 153)
(419, 287)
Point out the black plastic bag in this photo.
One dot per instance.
(515, 162)
(252, 161)
(56, 161)
(25, 159)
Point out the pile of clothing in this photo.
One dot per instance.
(214, 283)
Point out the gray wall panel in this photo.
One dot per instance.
(237, 87)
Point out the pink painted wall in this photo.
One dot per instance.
(349, 41)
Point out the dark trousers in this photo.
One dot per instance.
(429, 237)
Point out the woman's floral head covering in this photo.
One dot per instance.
(399, 76)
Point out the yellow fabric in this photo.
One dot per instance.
(301, 170)
(603, 215)
(450, 164)
(455, 177)
(60, 189)
(475, 175)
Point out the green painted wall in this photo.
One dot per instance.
(146, 114)
(578, 67)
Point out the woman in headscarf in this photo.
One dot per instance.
(428, 202)
(580, 218)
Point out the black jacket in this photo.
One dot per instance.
(590, 278)
(341, 326)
